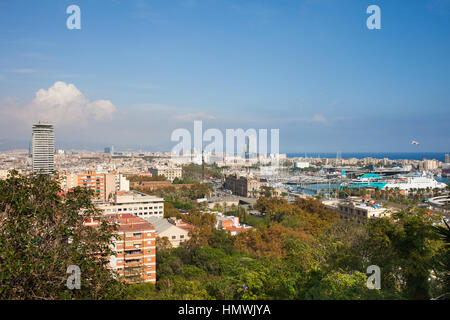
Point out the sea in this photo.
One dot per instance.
(377, 155)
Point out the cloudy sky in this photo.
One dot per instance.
(137, 70)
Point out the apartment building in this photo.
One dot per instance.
(170, 172)
(134, 247)
(430, 164)
(104, 185)
(136, 203)
(361, 211)
(244, 186)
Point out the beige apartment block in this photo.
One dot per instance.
(170, 172)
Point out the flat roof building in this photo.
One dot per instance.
(170, 172)
(136, 203)
(43, 148)
(361, 211)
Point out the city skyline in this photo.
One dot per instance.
(138, 70)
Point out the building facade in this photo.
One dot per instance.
(104, 185)
(361, 211)
(244, 186)
(134, 248)
(170, 172)
(43, 148)
(136, 203)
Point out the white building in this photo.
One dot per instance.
(43, 148)
(301, 165)
(122, 183)
(360, 211)
(136, 203)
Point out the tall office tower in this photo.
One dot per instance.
(447, 158)
(43, 148)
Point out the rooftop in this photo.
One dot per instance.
(160, 224)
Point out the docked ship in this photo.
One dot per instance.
(402, 182)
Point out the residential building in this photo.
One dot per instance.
(181, 224)
(244, 186)
(170, 172)
(43, 148)
(430, 164)
(231, 224)
(134, 247)
(121, 182)
(136, 203)
(164, 228)
(360, 211)
(103, 184)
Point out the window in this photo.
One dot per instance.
(174, 237)
(182, 236)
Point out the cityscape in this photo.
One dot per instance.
(289, 186)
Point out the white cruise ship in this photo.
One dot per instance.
(402, 182)
(407, 182)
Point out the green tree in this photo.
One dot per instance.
(43, 232)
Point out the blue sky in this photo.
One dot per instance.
(311, 68)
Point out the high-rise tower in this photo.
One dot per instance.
(43, 148)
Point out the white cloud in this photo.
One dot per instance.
(318, 118)
(193, 116)
(62, 103)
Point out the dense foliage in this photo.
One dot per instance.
(304, 251)
(42, 234)
(299, 250)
